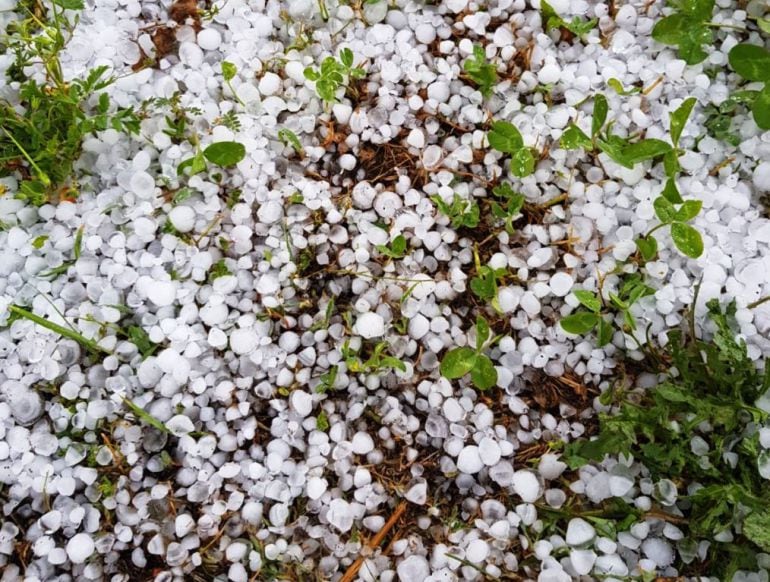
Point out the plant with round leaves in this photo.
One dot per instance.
(752, 62)
(459, 362)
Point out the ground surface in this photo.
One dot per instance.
(264, 395)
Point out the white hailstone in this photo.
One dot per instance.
(489, 451)
(453, 411)
(549, 74)
(560, 284)
(316, 487)
(162, 293)
(579, 532)
(417, 494)
(540, 257)
(179, 425)
(431, 157)
(477, 551)
(508, 299)
(243, 341)
(269, 84)
(526, 485)
(425, 33)
(301, 402)
(340, 515)
(582, 561)
(416, 138)
(362, 443)
(551, 467)
(469, 460)
(611, 564)
(502, 473)
(369, 325)
(414, 568)
(182, 218)
(80, 547)
(762, 177)
(26, 406)
(418, 326)
(620, 485)
(270, 212)
(457, 6)
(183, 525)
(659, 551)
(209, 39)
(142, 184)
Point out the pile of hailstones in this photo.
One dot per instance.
(256, 471)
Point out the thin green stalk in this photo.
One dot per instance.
(758, 302)
(56, 328)
(41, 174)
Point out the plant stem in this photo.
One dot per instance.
(56, 328)
(758, 302)
(727, 26)
(661, 225)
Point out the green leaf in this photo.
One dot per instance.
(620, 90)
(604, 335)
(601, 108)
(671, 163)
(311, 74)
(679, 119)
(483, 373)
(648, 247)
(756, 527)
(197, 164)
(699, 9)
(482, 332)
(229, 70)
(764, 24)
(522, 163)
(458, 362)
(580, 27)
(664, 210)
(225, 153)
(760, 109)
(672, 29)
(346, 57)
(671, 192)
(580, 323)
(574, 138)
(589, 299)
(688, 210)
(750, 61)
(70, 4)
(687, 239)
(504, 137)
(645, 149)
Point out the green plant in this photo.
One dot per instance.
(484, 283)
(752, 62)
(327, 379)
(508, 209)
(481, 72)
(505, 138)
(688, 28)
(696, 433)
(719, 118)
(397, 248)
(93, 346)
(229, 71)
(620, 90)
(600, 315)
(223, 153)
(461, 212)
(458, 362)
(333, 74)
(230, 121)
(622, 150)
(378, 361)
(576, 26)
(288, 138)
(218, 269)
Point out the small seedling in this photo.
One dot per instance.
(461, 212)
(458, 362)
(621, 150)
(333, 74)
(505, 138)
(230, 121)
(288, 138)
(327, 380)
(218, 269)
(509, 208)
(688, 28)
(752, 62)
(719, 118)
(577, 26)
(397, 248)
(224, 154)
(481, 72)
(378, 361)
(620, 90)
(229, 71)
(600, 315)
(484, 283)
